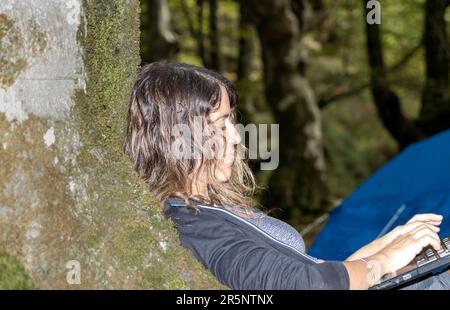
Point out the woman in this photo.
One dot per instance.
(182, 140)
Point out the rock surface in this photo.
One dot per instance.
(72, 210)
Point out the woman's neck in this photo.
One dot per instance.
(199, 189)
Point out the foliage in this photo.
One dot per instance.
(356, 143)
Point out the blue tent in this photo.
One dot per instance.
(415, 181)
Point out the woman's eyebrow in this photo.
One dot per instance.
(226, 115)
(223, 116)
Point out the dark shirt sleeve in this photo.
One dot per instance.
(244, 263)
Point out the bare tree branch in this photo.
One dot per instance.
(326, 99)
(323, 102)
(404, 59)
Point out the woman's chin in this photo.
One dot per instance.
(223, 175)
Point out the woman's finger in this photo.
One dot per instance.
(413, 225)
(425, 231)
(425, 241)
(426, 217)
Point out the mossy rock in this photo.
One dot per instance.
(13, 275)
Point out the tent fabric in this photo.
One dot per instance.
(415, 181)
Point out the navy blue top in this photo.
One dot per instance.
(278, 229)
(245, 255)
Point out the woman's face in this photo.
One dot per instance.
(222, 118)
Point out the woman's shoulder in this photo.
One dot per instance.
(207, 215)
(250, 212)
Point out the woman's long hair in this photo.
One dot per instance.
(166, 95)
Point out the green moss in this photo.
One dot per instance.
(13, 275)
(112, 59)
(127, 225)
(10, 44)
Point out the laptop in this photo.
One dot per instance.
(427, 261)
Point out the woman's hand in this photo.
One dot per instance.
(395, 255)
(402, 250)
(429, 219)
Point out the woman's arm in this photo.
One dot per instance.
(361, 277)
(431, 220)
(245, 261)
(241, 261)
(365, 272)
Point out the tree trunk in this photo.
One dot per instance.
(214, 36)
(245, 44)
(386, 100)
(298, 184)
(435, 113)
(158, 40)
(244, 66)
(201, 36)
(67, 192)
(196, 32)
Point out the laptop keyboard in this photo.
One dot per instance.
(429, 254)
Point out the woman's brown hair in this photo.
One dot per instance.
(165, 95)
